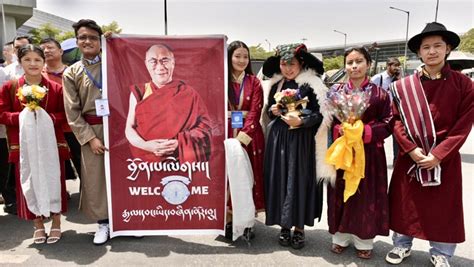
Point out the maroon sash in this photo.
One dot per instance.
(414, 110)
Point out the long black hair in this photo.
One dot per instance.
(361, 50)
(248, 70)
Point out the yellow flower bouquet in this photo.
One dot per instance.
(31, 95)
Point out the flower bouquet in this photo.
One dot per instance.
(347, 152)
(31, 96)
(290, 99)
(348, 107)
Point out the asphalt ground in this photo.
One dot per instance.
(76, 248)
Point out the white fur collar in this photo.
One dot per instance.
(323, 170)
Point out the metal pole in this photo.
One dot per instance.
(269, 45)
(436, 15)
(166, 20)
(345, 41)
(345, 38)
(406, 45)
(406, 37)
(4, 25)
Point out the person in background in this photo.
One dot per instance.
(383, 80)
(433, 115)
(8, 54)
(293, 156)
(14, 70)
(245, 95)
(54, 70)
(365, 214)
(32, 206)
(4, 193)
(82, 84)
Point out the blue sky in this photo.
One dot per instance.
(278, 22)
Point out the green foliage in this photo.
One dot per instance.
(467, 41)
(44, 31)
(332, 63)
(49, 31)
(113, 27)
(258, 52)
(65, 35)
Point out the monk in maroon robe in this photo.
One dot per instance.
(433, 116)
(167, 118)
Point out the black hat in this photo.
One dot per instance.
(287, 52)
(433, 28)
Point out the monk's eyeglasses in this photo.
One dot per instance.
(165, 61)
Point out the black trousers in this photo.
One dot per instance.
(7, 174)
(75, 148)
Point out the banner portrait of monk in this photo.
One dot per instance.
(166, 117)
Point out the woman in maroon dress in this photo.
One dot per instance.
(245, 95)
(32, 61)
(365, 214)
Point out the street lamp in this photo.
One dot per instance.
(345, 38)
(269, 45)
(166, 19)
(406, 38)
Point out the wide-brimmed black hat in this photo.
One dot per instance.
(271, 66)
(434, 28)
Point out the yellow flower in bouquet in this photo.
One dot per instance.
(31, 95)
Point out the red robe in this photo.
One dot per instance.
(434, 213)
(175, 111)
(365, 214)
(10, 108)
(252, 103)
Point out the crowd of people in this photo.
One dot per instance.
(430, 114)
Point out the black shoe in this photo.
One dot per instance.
(10, 209)
(249, 234)
(297, 242)
(228, 231)
(285, 237)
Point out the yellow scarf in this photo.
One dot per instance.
(347, 153)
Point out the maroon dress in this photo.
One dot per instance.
(365, 214)
(10, 108)
(434, 213)
(252, 104)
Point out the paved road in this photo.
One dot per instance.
(76, 247)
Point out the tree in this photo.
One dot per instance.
(113, 27)
(44, 31)
(49, 31)
(467, 41)
(258, 52)
(332, 63)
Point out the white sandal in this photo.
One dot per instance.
(39, 239)
(53, 239)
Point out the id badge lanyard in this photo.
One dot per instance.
(237, 115)
(98, 83)
(239, 99)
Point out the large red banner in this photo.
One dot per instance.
(166, 165)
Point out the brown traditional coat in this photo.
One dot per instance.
(80, 94)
